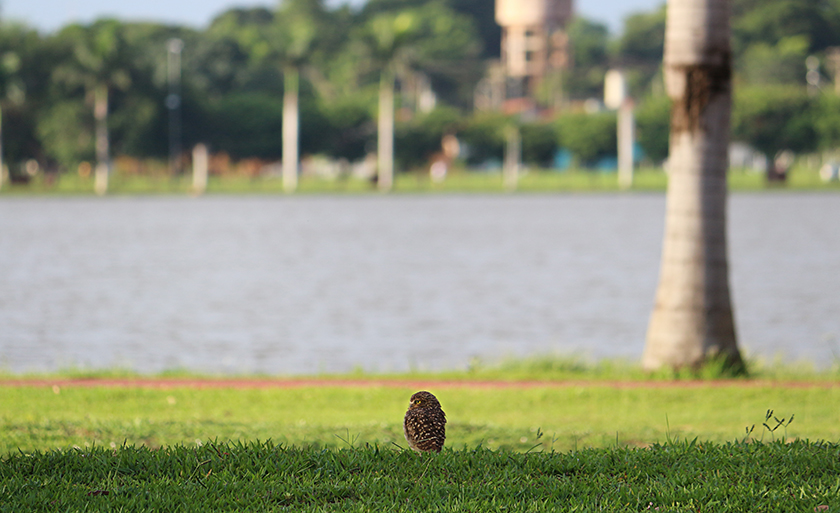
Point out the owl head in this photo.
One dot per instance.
(423, 399)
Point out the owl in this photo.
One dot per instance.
(425, 423)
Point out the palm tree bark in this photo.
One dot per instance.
(385, 131)
(103, 159)
(692, 318)
(291, 124)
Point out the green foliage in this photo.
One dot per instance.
(827, 125)
(762, 21)
(780, 63)
(247, 126)
(69, 147)
(643, 39)
(539, 143)
(484, 138)
(640, 49)
(588, 136)
(243, 51)
(653, 126)
(348, 131)
(262, 476)
(418, 140)
(773, 119)
(589, 52)
(100, 53)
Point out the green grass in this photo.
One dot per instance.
(535, 368)
(457, 182)
(265, 476)
(606, 440)
(510, 418)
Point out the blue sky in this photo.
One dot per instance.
(49, 15)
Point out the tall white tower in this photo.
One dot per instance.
(534, 41)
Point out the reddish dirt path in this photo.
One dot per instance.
(263, 383)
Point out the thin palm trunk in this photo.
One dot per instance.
(291, 83)
(626, 137)
(513, 158)
(385, 132)
(692, 318)
(103, 163)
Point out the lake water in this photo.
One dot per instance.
(298, 285)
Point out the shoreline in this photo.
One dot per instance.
(274, 383)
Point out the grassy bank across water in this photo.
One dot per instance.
(457, 182)
(511, 417)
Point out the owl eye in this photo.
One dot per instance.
(417, 401)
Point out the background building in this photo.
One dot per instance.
(535, 48)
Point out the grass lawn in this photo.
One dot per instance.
(683, 477)
(584, 445)
(495, 417)
(457, 182)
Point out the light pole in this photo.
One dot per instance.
(616, 98)
(173, 103)
(812, 63)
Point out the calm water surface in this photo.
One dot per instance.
(300, 285)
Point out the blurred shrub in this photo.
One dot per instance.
(774, 118)
(653, 125)
(539, 143)
(589, 137)
(416, 141)
(484, 137)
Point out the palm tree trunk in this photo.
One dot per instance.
(385, 132)
(626, 137)
(692, 318)
(199, 169)
(291, 85)
(103, 163)
(513, 157)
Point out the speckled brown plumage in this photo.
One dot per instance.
(425, 423)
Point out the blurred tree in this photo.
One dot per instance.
(26, 64)
(447, 50)
(773, 119)
(348, 129)
(590, 56)
(692, 319)
(539, 143)
(770, 21)
(780, 63)
(388, 39)
(9, 83)
(826, 111)
(245, 125)
(640, 47)
(100, 64)
(420, 138)
(67, 146)
(483, 138)
(432, 37)
(483, 14)
(589, 137)
(291, 41)
(480, 14)
(653, 120)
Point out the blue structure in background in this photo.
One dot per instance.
(563, 159)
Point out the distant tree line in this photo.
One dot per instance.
(56, 88)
